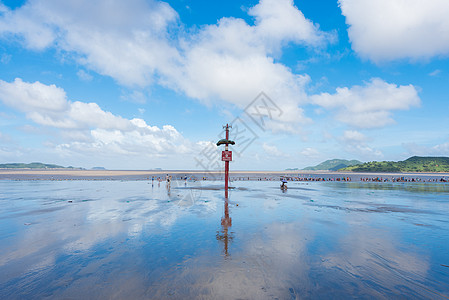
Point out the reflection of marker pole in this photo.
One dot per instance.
(226, 223)
(226, 156)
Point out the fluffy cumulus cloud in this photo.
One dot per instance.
(234, 61)
(353, 136)
(48, 105)
(279, 21)
(394, 29)
(355, 142)
(368, 106)
(127, 41)
(422, 150)
(310, 152)
(141, 43)
(272, 150)
(230, 61)
(85, 126)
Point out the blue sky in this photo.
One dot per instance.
(146, 84)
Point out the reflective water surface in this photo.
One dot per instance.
(135, 240)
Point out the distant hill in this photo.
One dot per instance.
(34, 165)
(412, 164)
(98, 168)
(333, 165)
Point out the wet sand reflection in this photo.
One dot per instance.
(226, 222)
(136, 240)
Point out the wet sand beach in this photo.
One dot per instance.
(117, 234)
(35, 174)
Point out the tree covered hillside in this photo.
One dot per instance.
(412, 164)
(333, 165)
(34, 165)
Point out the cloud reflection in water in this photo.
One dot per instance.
(131, 240)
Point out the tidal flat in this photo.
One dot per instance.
(134, 239)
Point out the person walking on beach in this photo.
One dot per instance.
(283, 183)
(168, 179)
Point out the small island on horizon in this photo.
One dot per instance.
(33, 165)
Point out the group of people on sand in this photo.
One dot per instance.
(159, 180)
(285, 179)
(404, 179)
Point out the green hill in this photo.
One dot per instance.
(34, 165)
(412, 164)
(333, 165)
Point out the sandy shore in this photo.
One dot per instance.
(145, 174)
(106, 173)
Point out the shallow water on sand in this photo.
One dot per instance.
(132, 240)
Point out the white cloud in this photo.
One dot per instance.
(272, 150)
(441, 149)
(33, 97)
(221, 57)
(394, 29)
(86, 126)
(364, 151)
(371, 105)
(310, 152)
(144, 140)
(83, 75)
(422, 150)
(435, 73)
(127, 41)
(34, 31)
(48, 105)
(353, 136)
(5, 58)
(279, 21)
(355, 142)
(231, 61)
(134, 96)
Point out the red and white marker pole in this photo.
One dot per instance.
(227, 164)
(226, 156)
